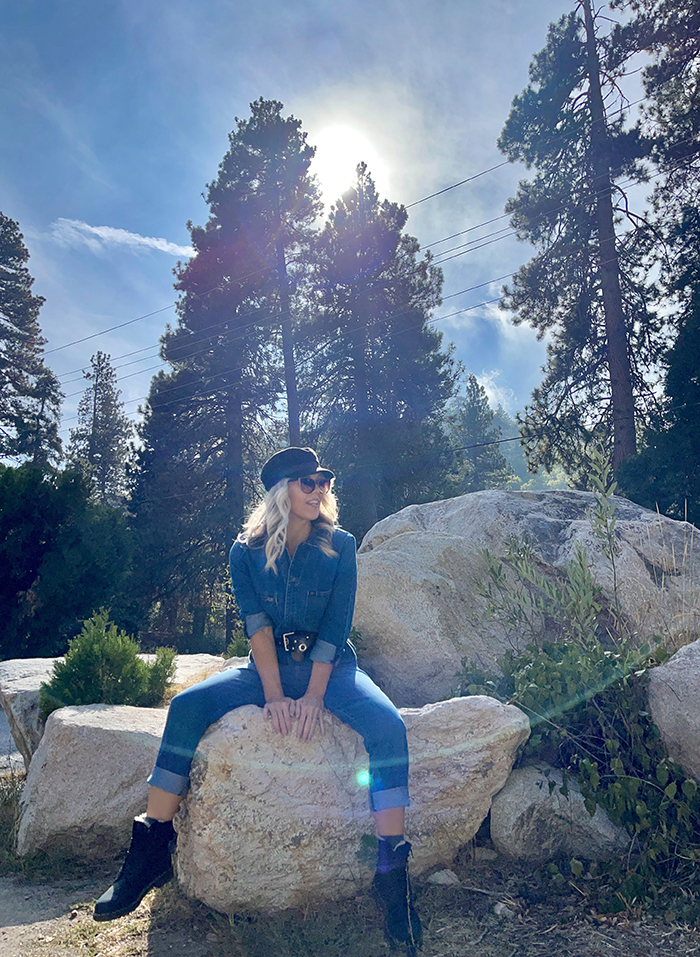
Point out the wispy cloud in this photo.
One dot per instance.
(496, 393)
(73, 232)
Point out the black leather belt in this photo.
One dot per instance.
(299, 643)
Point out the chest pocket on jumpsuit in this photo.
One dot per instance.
(316, 602)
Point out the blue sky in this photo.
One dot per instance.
(114, 115)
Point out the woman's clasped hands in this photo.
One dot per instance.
(308, 711)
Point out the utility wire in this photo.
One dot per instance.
(274, 320)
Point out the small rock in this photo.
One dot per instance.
(484, 854)
(445, 877)
(502, 910)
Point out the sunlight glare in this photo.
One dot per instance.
(338, 151)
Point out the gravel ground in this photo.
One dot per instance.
(495, 911)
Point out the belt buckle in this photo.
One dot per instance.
(285, 639)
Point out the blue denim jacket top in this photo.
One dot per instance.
(310, 592)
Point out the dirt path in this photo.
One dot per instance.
(31, 913)
(54, 919)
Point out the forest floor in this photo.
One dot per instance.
(52, 917)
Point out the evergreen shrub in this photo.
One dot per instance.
(102, 666)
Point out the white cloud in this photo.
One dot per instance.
(497, 394)
(73, 232)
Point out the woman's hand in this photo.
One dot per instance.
(280, 712)
(309, 714)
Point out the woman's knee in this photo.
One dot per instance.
(387, 726)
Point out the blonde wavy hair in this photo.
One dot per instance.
(269, 520)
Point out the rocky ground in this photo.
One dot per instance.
(496, 910)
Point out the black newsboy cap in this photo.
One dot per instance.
(291, 463)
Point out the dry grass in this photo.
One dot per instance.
(459, 921)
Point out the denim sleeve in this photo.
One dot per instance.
(249, 605)
(334, 629)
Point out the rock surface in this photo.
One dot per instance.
(274, 822)
(531, 820)
(87, 780)
(674, 692)
(21, 678)
(417, 609)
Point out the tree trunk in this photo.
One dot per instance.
(233, 490)
(624, 440)
(290, 378)
(366, 491)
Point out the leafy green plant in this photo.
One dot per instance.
(582, 682)
(102, 666)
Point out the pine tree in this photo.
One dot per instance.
(666, 474)
(586, 287)
(375, 378)
(210, 419)
(470, 423)
(30, 396)
(99, 444)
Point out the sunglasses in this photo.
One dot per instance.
(308, 484)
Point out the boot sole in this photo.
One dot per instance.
(160, 881)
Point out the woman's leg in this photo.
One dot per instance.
(190, 714)
(390, 822)
(356, 700)
(148, 860)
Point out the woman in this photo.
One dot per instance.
(294, 576)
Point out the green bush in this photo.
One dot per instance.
(102, 666)
(582, 682)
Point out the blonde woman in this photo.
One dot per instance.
(294, 576)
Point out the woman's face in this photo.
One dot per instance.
(305, 505)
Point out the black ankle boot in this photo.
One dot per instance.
(391, 889)
(148, 864)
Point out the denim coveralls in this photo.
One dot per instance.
(310, 592)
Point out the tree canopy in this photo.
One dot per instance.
(30, 397)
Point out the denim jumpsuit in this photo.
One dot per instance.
(310, 592)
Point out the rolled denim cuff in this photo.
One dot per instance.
(255, 622)
(392, 797)
(169, 781)
(323, 651)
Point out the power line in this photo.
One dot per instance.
(417, 202)
(103, 332)
(447, 189)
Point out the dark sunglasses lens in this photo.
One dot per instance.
(309, 484)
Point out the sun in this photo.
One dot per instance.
(338, 151)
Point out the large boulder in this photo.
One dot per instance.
(21, 679)
(273, 822)
(87, 780)
(535, 818)
(674, 692)
(417, 608)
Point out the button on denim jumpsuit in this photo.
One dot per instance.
(310, 592)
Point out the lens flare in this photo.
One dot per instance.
(362, 778)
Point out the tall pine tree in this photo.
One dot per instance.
(471, 424)
(209, 419)
(98, 446)
(376, 379)
(666, 474)
(30, 396)
(586, 287)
